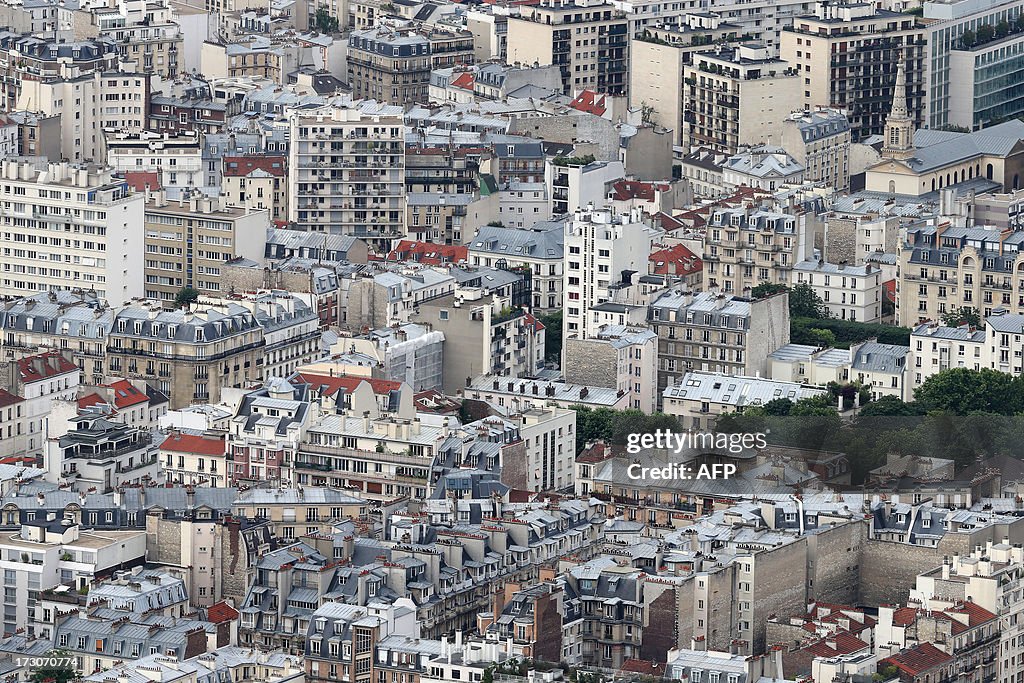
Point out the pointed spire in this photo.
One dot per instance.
(899, 97)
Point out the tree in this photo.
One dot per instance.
(1018, 23)
(324, 22)
(55, 667)
(1002, 29)
(967, 39)
(804, 303)
(964, 315)
(887, 406)
(766, 289)
(496, 224)
(552, 336)
(962, 391)
(985, 34)
(186, 296)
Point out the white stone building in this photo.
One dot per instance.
(849, 292)
(91, 236)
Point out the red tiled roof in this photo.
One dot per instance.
(140, 181)
(531, 319)
(976, 614)
(634, 189)
(428, 253)
(17, 460)
(669, 222)
(327, 384)
(642, 666)
(675, 260)
(464, 81)
(220, 613)
(904, 616)
(126, 394)
(842, 643)
(193, 443)
(44, 365)
(235, 167)
(9, 399)
(918, 659)
(88, 400)
(590, 102)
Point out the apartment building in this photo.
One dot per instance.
(189, 240)
(666, 49)
(391, 62)
(620, 357)
(90, 453)
(763, 168)
(195, 112)
(587, 39)
(737, 95)
(189, 354)
(483, 334)
(883, 369)
(716, 333)
(846, 57)
(146, 34)
(819, 140)
(176, 160)
(600, 249)
(294, 512)
(990, 578)
(72, 319)
(572, 184)
(698, 398)
(29, 57)
(346, 174)
(80, 222)
(517, 395)
(195, 459)
(39, 380)
(44, 554)
(746, 246)
(256, 183)
(252, 56)
(108, 103)
(943, 268)
(935, 347)
(848, 292)
(540, 248)
(963, 86)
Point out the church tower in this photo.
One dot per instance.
(899, 127)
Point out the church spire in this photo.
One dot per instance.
(899, 127)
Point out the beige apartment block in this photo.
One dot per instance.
(737, 95)
(846, 57)
(588, 39)
(189, 240)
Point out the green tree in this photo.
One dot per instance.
(56, 667)
(962, 391)
(186, 296)
(964, 315)
(779, 407)
(1018, 23)
(887, 406)
(767, 289)
(496, 224)
(324, 22)
(985, 34)
(1002, 29)
(552, 336)
(804, 303)
(967, 39)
